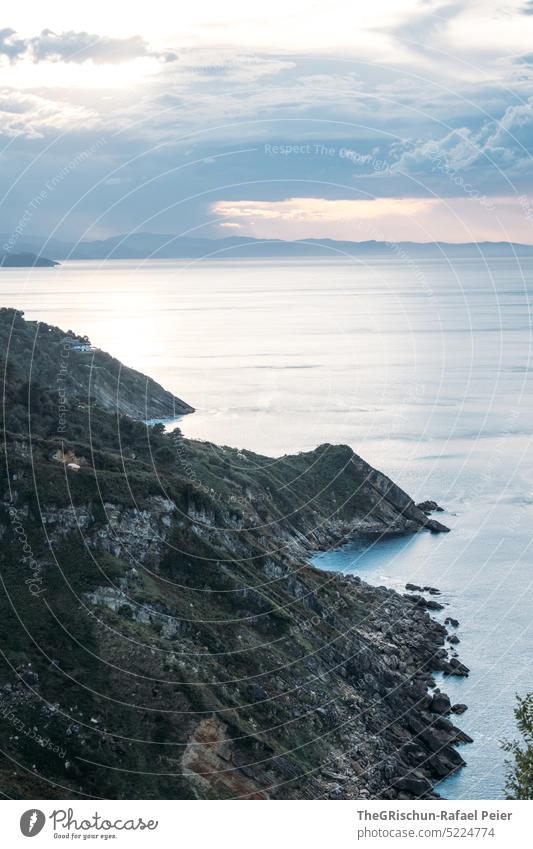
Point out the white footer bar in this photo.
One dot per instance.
(268, 825)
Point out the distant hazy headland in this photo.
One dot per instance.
(26, 259)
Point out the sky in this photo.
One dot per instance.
(392, 120)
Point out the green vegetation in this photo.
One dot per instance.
(172, 587)
(520, 769)
(59, 375)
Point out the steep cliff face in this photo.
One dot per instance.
(183, 616)
(162, 627)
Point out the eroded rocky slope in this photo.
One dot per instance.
(162, 628)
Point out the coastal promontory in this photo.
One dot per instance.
(161, 624)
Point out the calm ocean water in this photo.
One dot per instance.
(425, 371)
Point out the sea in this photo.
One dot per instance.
(423, 366)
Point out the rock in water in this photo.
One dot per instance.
(430, 507)
(440, 703)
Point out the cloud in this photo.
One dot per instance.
(78, 47)
(210, 65)
(423, 30)
(83, 46)
(30, 116)
(317, 209)
(308, 217)
(197, 125)
(454, 219)
(10, 46)
(497, 149)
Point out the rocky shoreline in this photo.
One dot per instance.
(432, 753)
(346, 690)
(162, 624)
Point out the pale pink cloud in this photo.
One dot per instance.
(456, 219)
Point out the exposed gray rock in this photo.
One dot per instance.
(430, 507)
(440, 703)
(426, 603)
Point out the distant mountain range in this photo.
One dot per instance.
(166, 246)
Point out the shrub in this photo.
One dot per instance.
(520, 769)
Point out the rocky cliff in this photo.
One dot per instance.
(163, 630)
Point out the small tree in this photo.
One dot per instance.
(519, 783)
